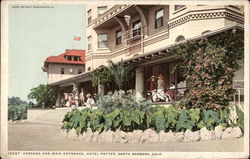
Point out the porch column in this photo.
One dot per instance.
(100, 89)
(139, 82)
(58, 99)
(75, 88)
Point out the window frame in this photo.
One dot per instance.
(137, 31)
(118, 40)
(157, 19)
(99, 42)
(75, 58)
(89, 43)
(62, 71)
(89, 14)
(80, 71)
(177, 7)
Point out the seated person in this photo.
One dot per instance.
(171, 93)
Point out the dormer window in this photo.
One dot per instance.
(75, 58)
(72, 58)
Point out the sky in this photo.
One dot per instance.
(35, 34)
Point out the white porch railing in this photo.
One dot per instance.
(239, 86)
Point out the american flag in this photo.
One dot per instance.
(77, 38)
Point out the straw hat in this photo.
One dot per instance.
(88, 95)
(160, 77)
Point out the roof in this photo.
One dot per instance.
(61, 58)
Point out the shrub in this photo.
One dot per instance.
(158, 118)
(17, 112)
(209, 65)
(119, 99)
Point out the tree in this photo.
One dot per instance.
(44, 96)
(15, 101)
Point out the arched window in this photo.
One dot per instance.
(180, 38)
(205, 32)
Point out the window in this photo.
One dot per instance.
(62, 70)
(69, 58)
(89, 17)
(118, 37)
(176, 7)
(180, 38)
(75, 58)
(137, 28)
(158, 18)
(79, 71)
(102, 40)
(205, 32)
(101, 10)
(89, 43)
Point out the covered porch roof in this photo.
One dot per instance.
(164, 53)
(158, 55)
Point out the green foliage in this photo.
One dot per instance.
(15, 101)
(210, 118)
(184, 122)
(240, 119)
(158, 118)
(209, 66)
(119, 99)
(17, 112)
(172, 115)
(44, 96)
(116, 74)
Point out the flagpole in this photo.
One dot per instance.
(73, 42)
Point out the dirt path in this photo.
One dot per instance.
(44, 137)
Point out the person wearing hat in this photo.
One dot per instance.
(73, 102)
(82, 97)
(90, 103)
(152, 84)
(152, 88)
(161, 87)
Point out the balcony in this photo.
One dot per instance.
(132, 35)
(107, 19)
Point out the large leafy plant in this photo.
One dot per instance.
(114, 74)
(158, 118)
(120, 99)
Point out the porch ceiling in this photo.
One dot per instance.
(86, 76)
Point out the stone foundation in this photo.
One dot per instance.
(150, 136)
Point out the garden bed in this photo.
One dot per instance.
(151, 136)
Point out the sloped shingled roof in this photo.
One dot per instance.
(61, 58)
